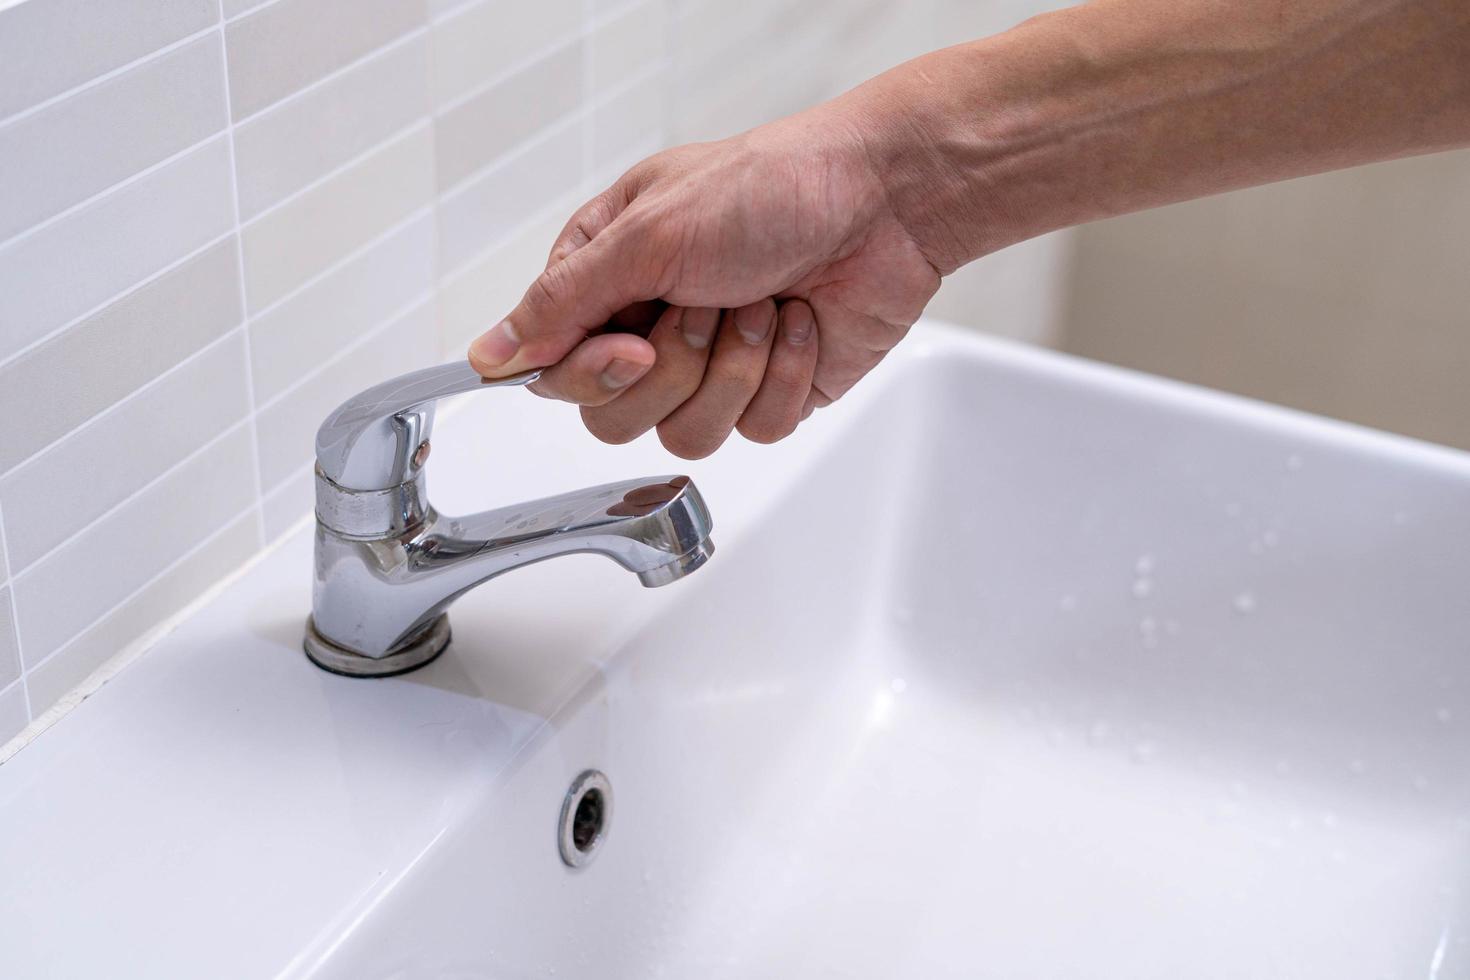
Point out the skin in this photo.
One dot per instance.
(737, 285)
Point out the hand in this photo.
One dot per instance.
(719, 286)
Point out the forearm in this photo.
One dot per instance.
(1121, 105)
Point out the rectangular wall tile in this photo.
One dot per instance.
(287, 503)
(332, 313)
(51, 46)
(286, 148)
(84, 579)
(287, 45)
(13, 716)
(105, 133)
(9, 647)
(286, 428)
(55, 387)
(98, 466)
(160, 599)
(112, 244)
(628, 43)
(486, 289)
(480, 41)
(633, 120)
(475, 132)
(490, 206)
(286, 247)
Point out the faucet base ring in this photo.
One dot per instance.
(422, 649)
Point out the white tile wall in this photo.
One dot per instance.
(218, 218)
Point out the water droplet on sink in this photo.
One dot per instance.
(1295, 462)
(1067, 603)
(1445, 715)
(1144, 565)
(1245, 603)
(1142, 588)
(1329, 820)
(1270, 538)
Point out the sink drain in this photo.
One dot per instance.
(585, 815)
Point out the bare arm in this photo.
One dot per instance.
(743, 283)
(1121, 105)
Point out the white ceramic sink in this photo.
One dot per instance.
(1010, 667)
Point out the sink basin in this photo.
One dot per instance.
(1009, 666)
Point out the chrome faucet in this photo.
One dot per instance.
(388, 565)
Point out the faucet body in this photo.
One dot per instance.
(388, 565)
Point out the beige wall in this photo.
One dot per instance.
(1346, 294)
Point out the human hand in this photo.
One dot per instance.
(734, 285)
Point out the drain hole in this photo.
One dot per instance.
(586, 813)
(587, 823)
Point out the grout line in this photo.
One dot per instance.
(260, 5)
(342, 352)
(73, 209)
(515, 68)
(240, 279)
(158, 478)
(15, 620)
(402, 40)
(116, 298)
(108, 410)
(335, 172)
(204, 542)
(106, 76)
(416, 214)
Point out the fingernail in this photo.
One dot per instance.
(497, 345)
(798, 328)
(753, 327)
(698, 328)
(620, 373)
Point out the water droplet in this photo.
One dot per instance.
(1144, 752)
(1329, 820)
(1400, 518)
(1144, 565)
(1245, 603)
(1357, 767)
(1445, 715)
(1068, 603)
(1270, 538)
(1294, 462)
(1142, 588)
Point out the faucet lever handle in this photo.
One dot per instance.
(371, 441)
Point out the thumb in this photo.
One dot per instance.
(566, 302)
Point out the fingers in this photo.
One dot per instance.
(681, 342)
(566, 302)
(597, 370)
(731, 379)
(780, 403)
(587, 221)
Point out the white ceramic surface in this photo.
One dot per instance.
(1011, 666)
